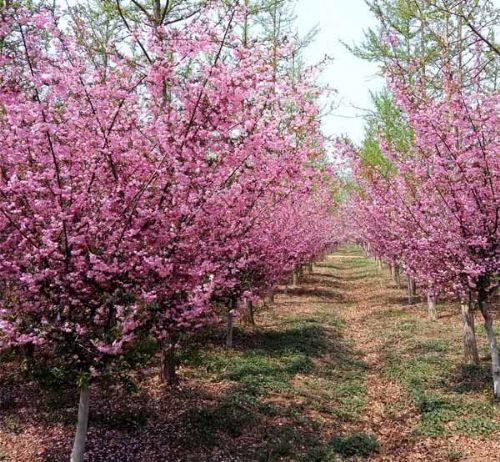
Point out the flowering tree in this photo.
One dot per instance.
(135, 191)
(438, 212)
(428, 202)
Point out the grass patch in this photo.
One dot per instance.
(276, 380)
(226, 417)
(476, 426)
(435, 345)
(450, 397)
(319, 453)
(12, 423)
(356, 444)
(393, 313)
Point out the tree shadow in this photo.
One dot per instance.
(308, 337)
(248, 413)
(304, 291)
(322, 275)
(327, 265)
(468, 378)
(316, 280)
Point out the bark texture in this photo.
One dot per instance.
(471, 355)
(169, 366)
(412, 290)
(78, 451)
(492, 342)
(431, 307)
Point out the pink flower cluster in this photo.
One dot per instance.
(437, 213)
(132, 195)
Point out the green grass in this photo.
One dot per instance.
(449, 397)
(355, 444)
(280, 374)
(476, 426)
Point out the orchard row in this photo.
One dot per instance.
(147, 197)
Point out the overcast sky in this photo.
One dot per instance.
(351, 77)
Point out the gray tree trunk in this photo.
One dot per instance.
(270, 297)
(492, 342)
(168, 366)
(229, 329)
(412, 289)
(397, 276)
(78, 451)
(471, 355)
(295, 278)
(250, 312)
(431, 305)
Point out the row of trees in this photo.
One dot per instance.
(423, 189)
(160, 162)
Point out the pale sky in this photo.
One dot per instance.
(350, 76)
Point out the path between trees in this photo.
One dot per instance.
(338, 368)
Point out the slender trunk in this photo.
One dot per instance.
(250, 312)
(230, 323)
(269, 299)
(310, 267)
(78, 451)
(157, 12)
(245, 26)
(379, 261)
(229, 330)
(431, 306)
(397, 276)
(471, 355)
(492, 342)
(295, 278)
(411, 290)
(168, 365)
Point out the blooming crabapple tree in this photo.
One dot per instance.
(438, 213)
(131, 194)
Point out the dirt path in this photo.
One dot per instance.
(385, 415)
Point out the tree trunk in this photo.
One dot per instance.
(310, 267)
(250, 312)
(78, 451)
(431, 306)
(168, 366)
(397, 276)
(411, 290)
(269, 300)
(492, 342)
(379, 261)
(229, 329)
(295, 278)
(471, 355)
